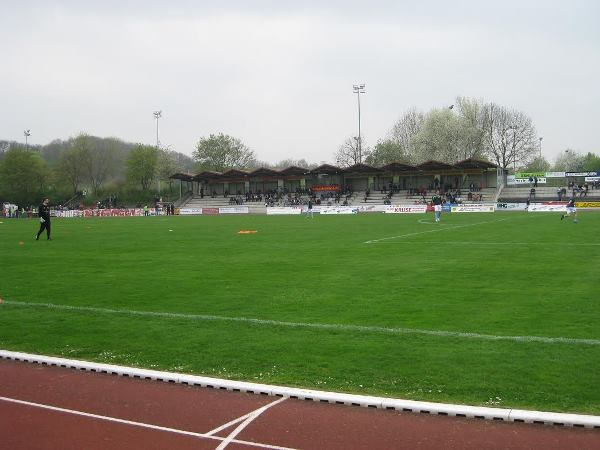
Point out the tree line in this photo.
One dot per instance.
(470, 128)
(96, 167)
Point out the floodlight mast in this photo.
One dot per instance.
(359, 89)
(27, 133)
(157, 115)
(541, 139)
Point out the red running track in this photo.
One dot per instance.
(44, 407)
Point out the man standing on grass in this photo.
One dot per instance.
(571, 211)
(437, 205)
(44, 215)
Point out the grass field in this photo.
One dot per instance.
(485, 309)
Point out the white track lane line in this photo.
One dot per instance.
(315, 326)
(375, 241)
(247, 422)
(139, 424)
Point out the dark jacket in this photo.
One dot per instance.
(44, 212)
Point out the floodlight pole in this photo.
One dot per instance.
(359, 89)
(541, 139)
(157, 115)
(27, 133)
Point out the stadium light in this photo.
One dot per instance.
(541, 139)
(359, 89)
(157, 115)
(27, 133)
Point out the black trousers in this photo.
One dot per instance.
(44, 226)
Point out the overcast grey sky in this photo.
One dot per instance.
(279, 75)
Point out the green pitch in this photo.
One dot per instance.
(494, 309)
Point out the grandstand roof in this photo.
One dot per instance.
(182, 176)
(207, 174)
(398, 167)
(327, 169)
(435, 165)
(294, 170)
(234, 173)
(361, 168)
(264, 172)
(472, 163)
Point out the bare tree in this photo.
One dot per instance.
(99, 157)
(71, 168)
(511, 138)
(350, 153)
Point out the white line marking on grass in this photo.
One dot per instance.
(135, 424)
(374, 241)
(315, 326)
(253, 415)
(553, 244)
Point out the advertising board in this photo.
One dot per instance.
(275, 211)
(472, 208)
(406, 209)
(234, 210)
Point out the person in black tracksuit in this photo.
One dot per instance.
(44, 215)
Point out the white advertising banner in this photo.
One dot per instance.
(472, 208)
(337, 210)
(189, 211)
(540, 207)
(283, 211)
(406, 209)
(512, 180)
(511, 206)
(234, 210)
(372, 208)
(582, 174)
(587, 179)
(555, 174)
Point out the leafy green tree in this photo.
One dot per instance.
(221, 152)
(591, 163)
(141, 165)
(539, 164)
(387, 151)
(22, 176)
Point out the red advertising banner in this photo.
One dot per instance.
(325, 187)
(210, 211)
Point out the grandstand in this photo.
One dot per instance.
(467, 181)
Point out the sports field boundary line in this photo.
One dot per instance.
(316, 326)
(477, 412)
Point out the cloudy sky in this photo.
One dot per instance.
(279, 75)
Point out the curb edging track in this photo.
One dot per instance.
(442, 409)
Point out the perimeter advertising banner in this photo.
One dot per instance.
(406, 209)
(511, 206)
(547, 207)
(190, 211)
(234, 210)
(274, 211)
(473, 208)
(336, 210)
(587, 204)
(210, 211)
(371, 208)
